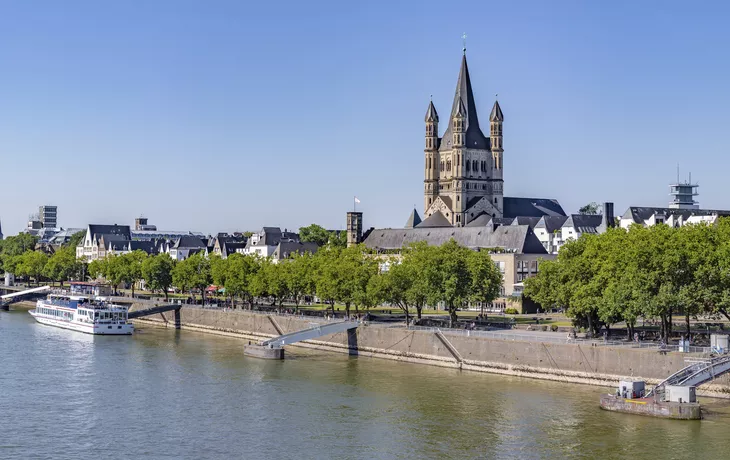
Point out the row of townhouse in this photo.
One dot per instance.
(270, 242)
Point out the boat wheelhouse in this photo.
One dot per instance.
(83, 314)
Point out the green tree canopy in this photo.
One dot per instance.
(157, 272)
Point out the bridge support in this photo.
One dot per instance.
(261, 351)
(178, 322)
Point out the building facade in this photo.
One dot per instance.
(48, 216)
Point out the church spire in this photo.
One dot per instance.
(496, 114)
(465, 108)
(466, 95)
(431, 114)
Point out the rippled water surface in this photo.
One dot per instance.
(172, 394)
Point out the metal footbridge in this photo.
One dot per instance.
(312, 333)
(7, 299)
(700, 371)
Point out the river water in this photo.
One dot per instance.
(180, 394)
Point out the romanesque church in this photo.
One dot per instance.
(463, 181)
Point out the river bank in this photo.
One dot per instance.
(562, 362)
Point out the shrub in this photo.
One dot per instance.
(554, 328)
(544, 328)
(511, 311)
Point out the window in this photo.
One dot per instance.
(467, 166)
(495, 200)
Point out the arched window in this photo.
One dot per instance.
(467, 166)
(442, 166)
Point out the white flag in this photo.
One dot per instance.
(356, 200)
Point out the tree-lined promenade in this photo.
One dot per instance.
(421, 276)
(656, 272)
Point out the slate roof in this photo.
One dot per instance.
(517, 238)
(464, 95)
(584, 223)
(189, 242)
(482, 220)
(526, 220)
(413, 220)
(435, 220)
(551, 223)
(286, 248)
(147, 246)
(531, 207)
(110, 232)
(229, 247)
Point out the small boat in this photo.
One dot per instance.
(84, 314)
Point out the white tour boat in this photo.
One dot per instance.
(83, 314)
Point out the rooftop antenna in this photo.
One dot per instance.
(463, 39)
(678, 173)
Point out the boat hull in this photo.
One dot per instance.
(651, 408)
(95, 329)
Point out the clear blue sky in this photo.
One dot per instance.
(230, 115)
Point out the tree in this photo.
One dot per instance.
(116, 270)
(452, 281)
(157, 272)
(314, 234)
(31, 264)
(327, 275)
(486, 279)
(299, 274)
(97, 268)
(133, 262)
(62, 265)
(14, 246)
(274, 276)
(193, 273)
(242, 270)
(393, 285)
(590, 208)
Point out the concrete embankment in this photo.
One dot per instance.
(575, 363)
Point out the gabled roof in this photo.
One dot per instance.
(464, 96)
(413, 220)
(526, 220)
(584, 223)
(551, 223)
(189, 242)
(482, 220)
(435, 220)
(531, 207)
(518, 239)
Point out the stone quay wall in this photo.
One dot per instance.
(566, 362)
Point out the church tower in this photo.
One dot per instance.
(463, 168)
(431, 175)
(495, 139)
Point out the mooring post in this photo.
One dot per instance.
(177, 318)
